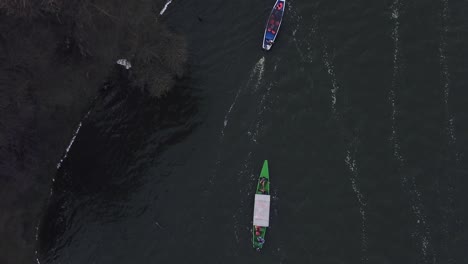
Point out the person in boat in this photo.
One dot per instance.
(263, 182)
(260, 240)
(257, 231)
(279, 6)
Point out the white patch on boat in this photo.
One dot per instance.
(296, 18)
(261, 216)
(351, 163)
(165, 7)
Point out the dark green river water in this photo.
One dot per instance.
(360, 108)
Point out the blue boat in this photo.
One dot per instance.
(273, 24)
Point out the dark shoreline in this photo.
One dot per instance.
(50, 73)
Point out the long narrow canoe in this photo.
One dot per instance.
(261, 217)
(273, 24)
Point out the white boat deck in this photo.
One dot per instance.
(262, 210)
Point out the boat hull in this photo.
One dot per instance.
(273, 24)
(261, 208)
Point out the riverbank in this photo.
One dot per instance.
(54, 59)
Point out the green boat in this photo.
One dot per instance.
(261, 216)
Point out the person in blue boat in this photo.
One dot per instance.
(274, 22)
(279, 6)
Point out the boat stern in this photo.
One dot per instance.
(267, 43)
(267, 46)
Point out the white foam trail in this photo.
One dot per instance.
(331, 73)
(450, 129)
(59, 164)
(253, 132)
(37, 239)
(351, 163)
(259, 68)
(408, 184)
(396, 71)
(257, 71)
(262, 106)
(422, 229)
(165, 7)
(226, 116)
(445, 73)
(256, 74)
(69, 146)
(297, 20)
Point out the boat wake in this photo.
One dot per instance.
(165, 7)
(59, 164)
(350, 161)
(307, 55)
(259, 68)
(446, 75)
(331, 72)
(297, 18)
(408, 182)
(255, 77)
(256, 74)
(256, 127)
(246, 173)
(449, 120)
(396, 71)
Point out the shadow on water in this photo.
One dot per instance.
(105, 166)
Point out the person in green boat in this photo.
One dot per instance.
(260, 240)
(262, 184)
(257, 230)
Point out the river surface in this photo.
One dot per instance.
(360, 108)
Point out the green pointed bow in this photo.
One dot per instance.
(265, 172)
